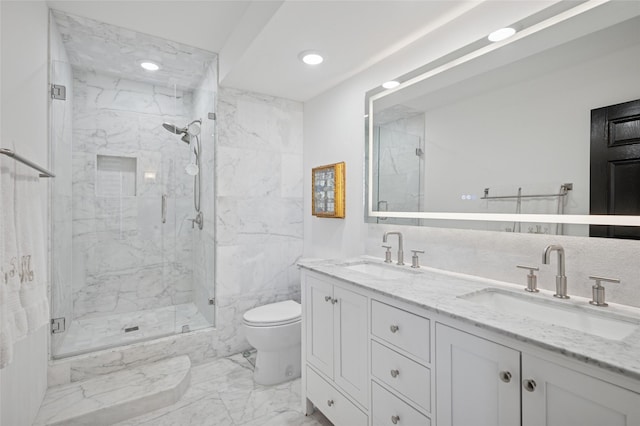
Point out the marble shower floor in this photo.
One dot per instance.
(222, 393)
(100, 332)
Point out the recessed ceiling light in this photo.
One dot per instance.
(149, 66)
(391, 84)
(501, 34)
(311, 58)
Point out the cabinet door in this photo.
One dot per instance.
(472, 387)
(351, 337)
(319, 324)
(564, 397)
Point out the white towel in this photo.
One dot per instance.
(13, 319)
(31, 216)
(23, 297)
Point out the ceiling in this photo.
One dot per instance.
(259, 41)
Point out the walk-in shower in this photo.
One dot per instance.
(128, 262)
(191, 136)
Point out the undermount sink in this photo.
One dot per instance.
(574, 317)
(379, 270)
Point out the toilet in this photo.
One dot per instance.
(275, 331)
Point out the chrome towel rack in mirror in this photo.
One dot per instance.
(43, 172)
(564, 191)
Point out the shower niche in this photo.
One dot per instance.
(128, 264)
(115, 176)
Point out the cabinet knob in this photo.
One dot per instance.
(395, 419)
(330, 402)
(394, 328)
(327, 298)
(394, 373)
(505, 376)
(334, 301)
(529, 385)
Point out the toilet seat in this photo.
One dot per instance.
(274, 314)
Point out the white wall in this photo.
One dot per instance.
(334, 124)
(540, 128)
(24, 119)
(334, 131)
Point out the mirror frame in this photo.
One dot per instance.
(413, 78)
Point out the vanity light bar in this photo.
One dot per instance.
(617, 220)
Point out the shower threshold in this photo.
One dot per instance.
(105, 331)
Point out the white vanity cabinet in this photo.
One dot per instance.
(479, 382)
(563, 396)
(335, 347)
(373, 358)
(400, 366)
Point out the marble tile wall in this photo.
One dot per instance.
(496, 254)
(118, 51)
(398, 165)
(259, 226)
(61, 113)
(124, 257)
(204, 102)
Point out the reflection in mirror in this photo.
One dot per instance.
(398, 143)
(507, 132)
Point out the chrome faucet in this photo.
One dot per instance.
(561, 279)
(400, 249)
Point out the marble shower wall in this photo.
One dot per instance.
(61, 113)
(259, 234)
(399, 166)
(124, 257)
(204, 240)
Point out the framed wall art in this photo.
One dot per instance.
(328, 190)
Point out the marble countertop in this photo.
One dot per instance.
(439, 291)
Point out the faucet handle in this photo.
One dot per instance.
(598, 289)
(532, 279)
(415, 260)
(387, 254)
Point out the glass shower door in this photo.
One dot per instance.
(398, 163)
(129, 264)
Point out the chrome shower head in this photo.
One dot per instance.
(174, 129)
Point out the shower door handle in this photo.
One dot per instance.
(163, 209)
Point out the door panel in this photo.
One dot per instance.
(565, 397)
(320, 325)
(615, 166)
(469, 390)
(351, 338)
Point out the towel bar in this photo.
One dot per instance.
(43, 172)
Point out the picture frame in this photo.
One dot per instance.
(328, 197)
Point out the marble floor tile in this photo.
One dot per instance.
(109, 398)
(104, 331)
(222, 392)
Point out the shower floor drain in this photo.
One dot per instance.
(130, 329)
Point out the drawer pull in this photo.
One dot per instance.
(529, 385)
(394, 328)
(330, 402)
(394, 373)
(395, 419)
(327, 298)
(505, 376)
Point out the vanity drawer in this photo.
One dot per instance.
(387, 407)
(403, 329)
(403, 375)
(335, 406)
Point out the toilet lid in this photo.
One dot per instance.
(274, 313)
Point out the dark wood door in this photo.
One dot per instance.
(615, 166)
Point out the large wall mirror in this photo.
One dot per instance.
(498, 136)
